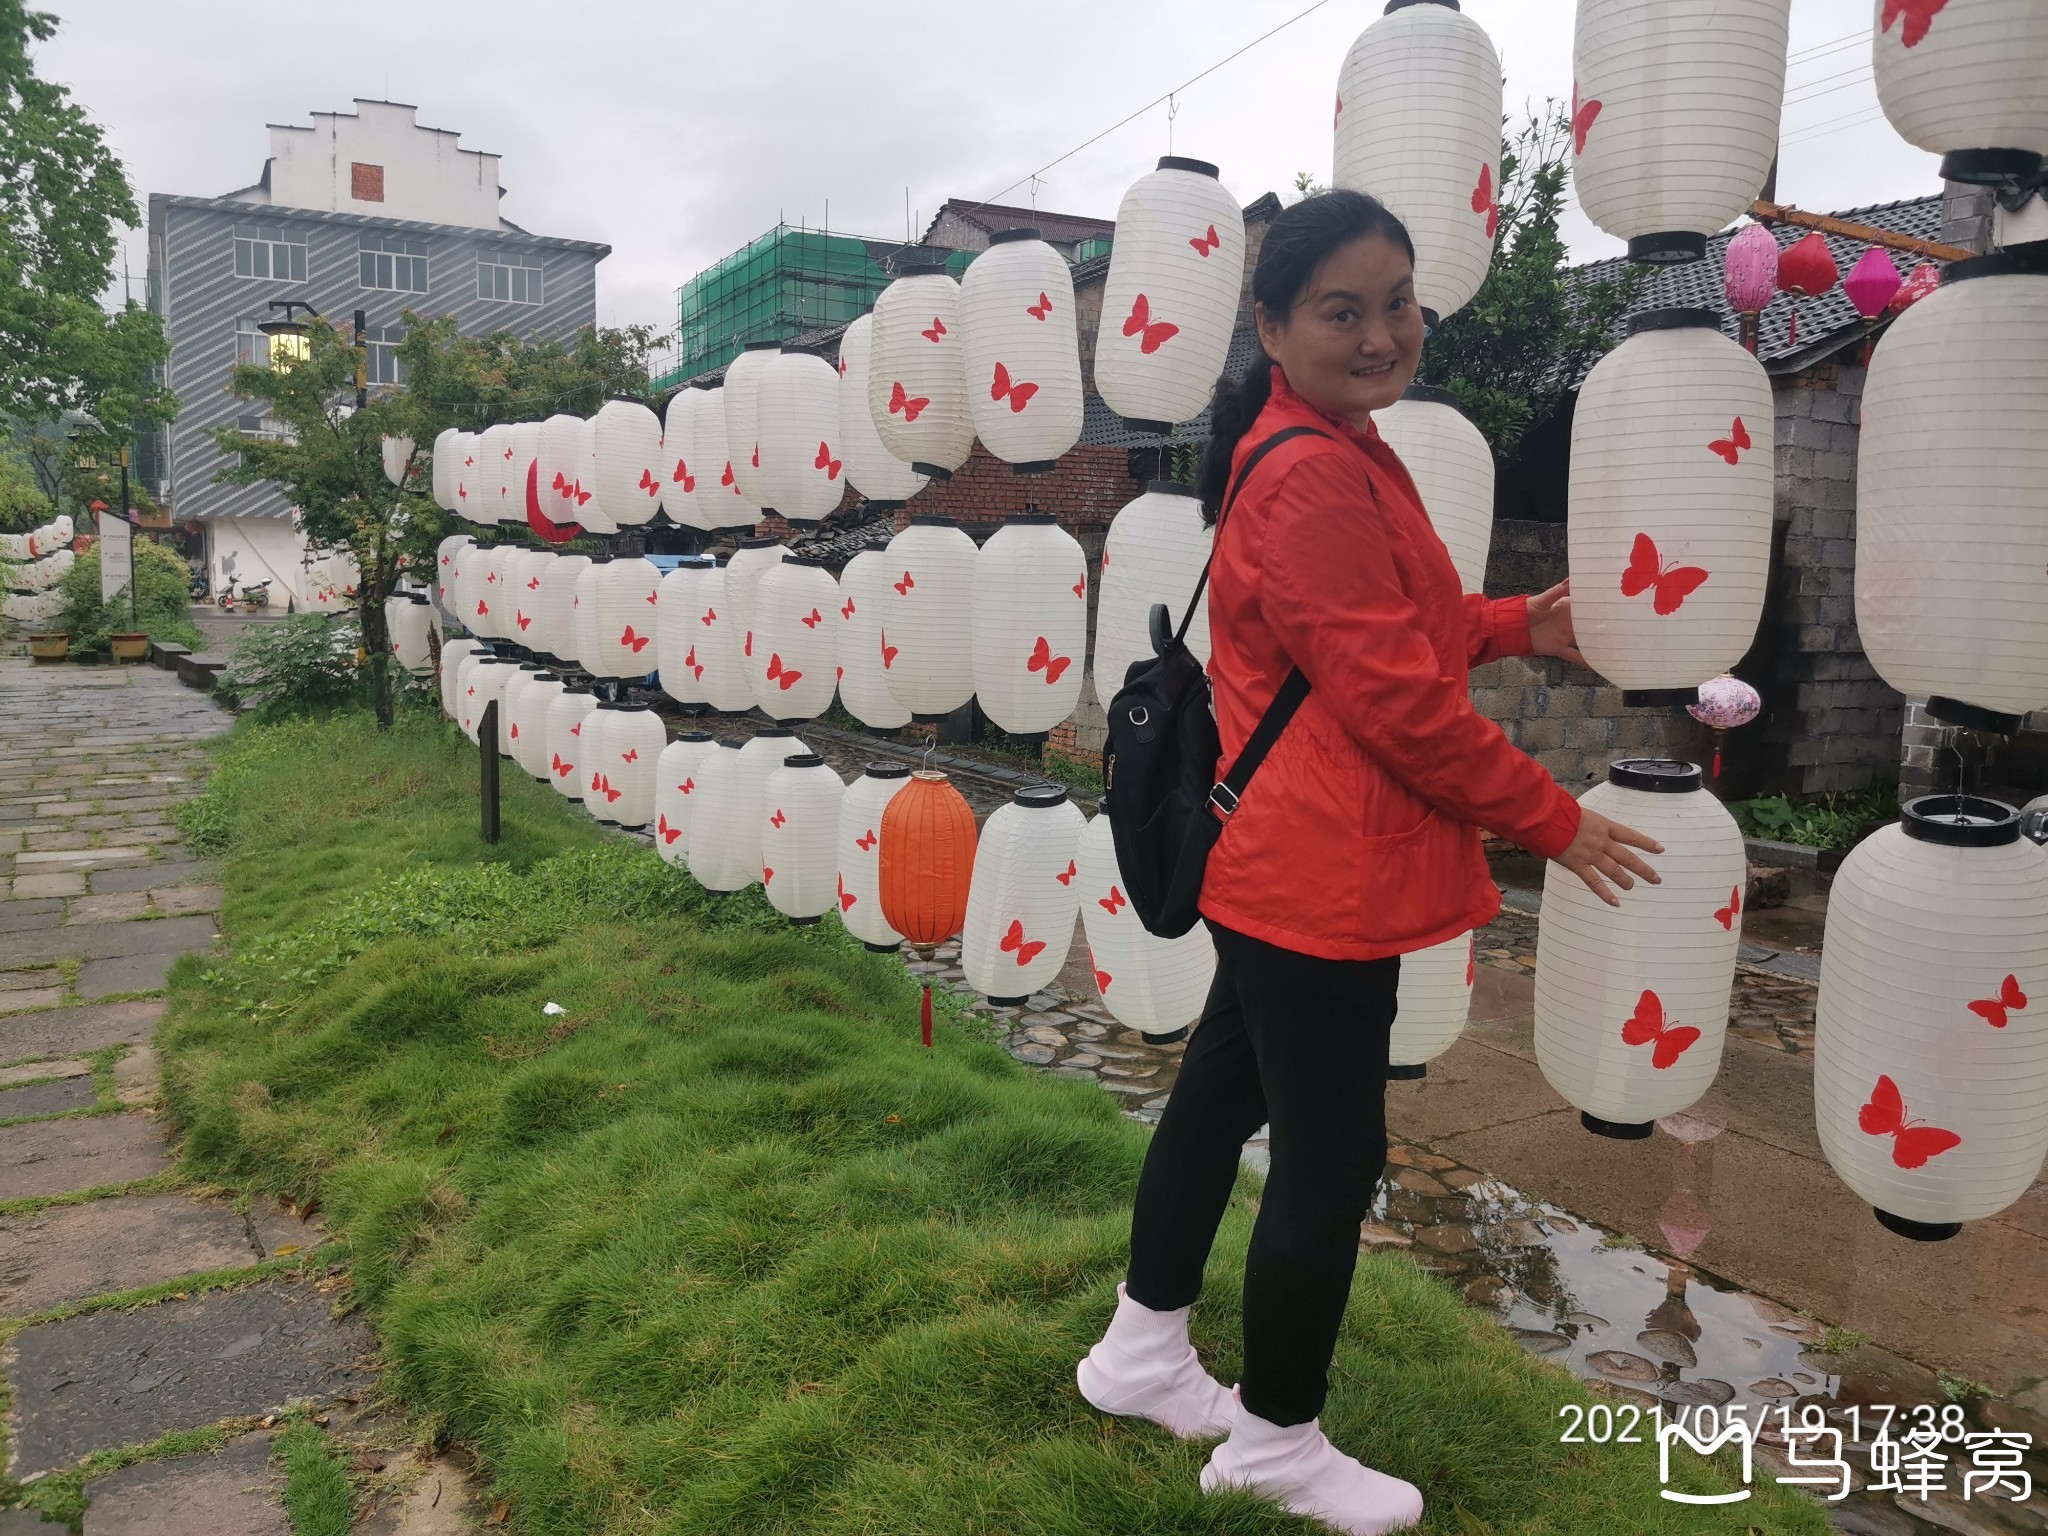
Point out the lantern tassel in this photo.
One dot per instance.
(924, 1016)
(1717, 754)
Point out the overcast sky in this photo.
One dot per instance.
(677, 130)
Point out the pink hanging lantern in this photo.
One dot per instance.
(1924, 280)
(1872, 283)
(1749, 277)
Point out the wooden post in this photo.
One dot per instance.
(487, 742)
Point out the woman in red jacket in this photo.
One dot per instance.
(1356, 842)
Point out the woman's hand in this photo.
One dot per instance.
(1550, 625)
(1602, 848)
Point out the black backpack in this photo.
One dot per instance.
(1165, 803)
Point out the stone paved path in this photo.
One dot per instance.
(98, 899)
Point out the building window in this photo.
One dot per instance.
(506, 280)
(394, 262)
(269, 251)
(365, 182)
(383, 365)
(252, 347)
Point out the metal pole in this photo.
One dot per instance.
(133, 618)
(487, 741)
(363, 364)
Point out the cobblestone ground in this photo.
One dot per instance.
(98, 897)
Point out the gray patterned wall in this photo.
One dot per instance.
(193, 284)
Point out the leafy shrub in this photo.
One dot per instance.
(163, 585)
(1832, 821)
(304, 665)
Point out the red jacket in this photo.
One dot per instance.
(1358, 837)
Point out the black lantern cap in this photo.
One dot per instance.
(937, 472)
(1412, 1072)
(760, 541)
(1918, 1231)
(932, 520)
(694, 736)
(762, 346)
(1402, 5)
(1673, 320)
(888, 771)
(1617, 1130)
(1170, 488)
(775, 730)
(1990, 167)
(1658, 775)
(875, 546)
(803, 760)
(1429, 394)
(1033, 519)
(1004, 237)
(2026, 260)
(1972, 717)
(1182, 163)
(576, 688)
(921, 261)
(1040, 797)
(1960, 821)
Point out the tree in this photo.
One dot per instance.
(329, 464)
(63, 200)
(1515, 354)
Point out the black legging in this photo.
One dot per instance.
(1300, 1044)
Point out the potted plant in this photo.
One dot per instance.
(131, 645)
(49, 644)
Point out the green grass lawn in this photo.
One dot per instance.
(721, 1248)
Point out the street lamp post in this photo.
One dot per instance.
(288, 336)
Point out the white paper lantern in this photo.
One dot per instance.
(760, 756)
(409, 621)
(397, 452)
(1451, 465)
(631, 461)
(1967, 80)
(1930, 1045)
(799, 833)
(453, 654)
(462, 691)
(675, 792)
(447, 565)
(558, 466)
(743, 572)
(1952, 496)
(512, 703)
(1025, 895)
(1021, 349)
(863, 688)
(620, 779)
(1418, 127)
(926, 625)
(585, 617)
(465, 470)
(858, 845)
(803, 472)
(557, 624)
(1030, 624)
(488, 676)
(1154, 553)
(677, 607)
(723, 502)
(795, 614)
(521, 457)
(1675, 107)
(1632, 1003)
(594, 743)
(711, 651)
(1671, 484)
(530, 746)
(874, 471)
(591, 511)
(566, 715)
(687, 489)
(917, 387)
(441, 469)
(1153, 985)
(1169, 302)
(478, 587)
(1434, 999)
(741, 394)
(491, 473)
(718, 852)
(628, 591)
(523, 573)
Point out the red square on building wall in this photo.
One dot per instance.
(365, 182)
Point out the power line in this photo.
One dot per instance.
(1833, 45)
(1850, 81)
(1155, 101)
(1833, 125)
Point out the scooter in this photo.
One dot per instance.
(253, 597)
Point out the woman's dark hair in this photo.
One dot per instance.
(1296, 244)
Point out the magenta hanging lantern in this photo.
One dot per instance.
(1872, 283)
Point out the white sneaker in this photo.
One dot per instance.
(1298, 1468)
(1144, 1367)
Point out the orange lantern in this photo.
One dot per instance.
(926, 860)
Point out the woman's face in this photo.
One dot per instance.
(1351, 343)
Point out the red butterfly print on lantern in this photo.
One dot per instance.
(1018, 394)
(1731, 447)
(1726, 916)
(1043, 660)
(1152, 334)
(687, 787)
(1102, 977)
(1995, 1010)
(1482, 201)
(777, 819)
(888, 652)
(1919, 16)
(938, 329)
(630, 755)
(482, 610)
(683, 475)
(866, 841)
(728, 479)
(846, 897)
(1646, 1026)
(846, 609)
(1066, 876)
(826, 462)
(903, 587)
(709, 617)
(1014, 942)
(648, 483)
(908, 406)
(780, 675)
(668, 833)
(1081, 589)
(633, 642)
(1912, 1145)
(1673, 583)
(1114, 902)
(1206, 243)
(812, 619)
(522, 620)
(1337, 116)
(1039, 310)
(1583, 116)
